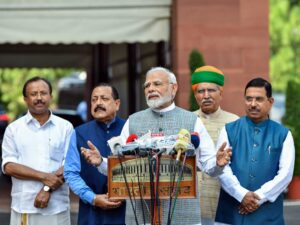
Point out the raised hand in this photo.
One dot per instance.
(223, 155)
(103, 202)
(92, 155)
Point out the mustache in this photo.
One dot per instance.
(153, 94)
(39, 102)
(204, 101)
(99, 107)
(254, 109)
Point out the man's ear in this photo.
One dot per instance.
(174, 90)
(118, 103)
(271, 100)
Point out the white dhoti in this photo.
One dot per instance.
(62, 218)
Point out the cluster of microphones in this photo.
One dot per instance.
(156, 144)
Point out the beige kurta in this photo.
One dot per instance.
(209, 186)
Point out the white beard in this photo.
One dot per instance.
(157, 103)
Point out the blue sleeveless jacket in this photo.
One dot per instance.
(98, 133)
(256, 150)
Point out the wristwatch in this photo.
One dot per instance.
(47, 188)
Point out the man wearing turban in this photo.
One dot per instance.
(208, 87)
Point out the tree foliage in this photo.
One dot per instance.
(291, 118)
(12, 81)
(195, 60)
(284, 42)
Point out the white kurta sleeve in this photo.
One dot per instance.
(228, 180)
(206, 152)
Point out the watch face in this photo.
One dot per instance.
(46, 188)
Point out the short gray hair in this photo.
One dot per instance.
(171, 76)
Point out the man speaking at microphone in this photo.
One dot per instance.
(83, 178)
(164, 117)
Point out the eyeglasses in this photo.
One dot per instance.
(208, 90)
(156, 84)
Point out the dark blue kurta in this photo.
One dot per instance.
(98, 134)
(256, 150)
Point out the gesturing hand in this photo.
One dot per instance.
(103, 202)
(92, 155)
(223, 155)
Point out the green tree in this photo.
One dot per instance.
(12, 81)
(195, 60)
(291, 118)
(284, 42)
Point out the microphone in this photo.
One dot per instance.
(195, 139)
(115, 144)
(131, 138)
(181, 145)
(130, 149)
(133, 147)
(159, 153)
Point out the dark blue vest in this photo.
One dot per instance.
(256, 150)
(98, 134)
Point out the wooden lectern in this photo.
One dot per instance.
(136, 171)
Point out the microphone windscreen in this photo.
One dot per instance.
(183, 139)
(195, 139)
(115, 144)
(131, 138)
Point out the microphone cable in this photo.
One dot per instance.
(171, 190)
(157, 201)
(150, 163)
(138, 166)
(180, 174)
(128, 190)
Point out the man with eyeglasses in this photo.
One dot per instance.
(261, 166)
(165, 118)
(34, 149)
(207, 84)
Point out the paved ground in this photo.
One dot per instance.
(291, 208)
(5, 187)
(291, 212)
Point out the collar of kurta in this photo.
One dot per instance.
(107, 126)
(213, 115)
(29, 118)
(260, 124)
(167, 109)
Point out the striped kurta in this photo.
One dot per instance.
(209, 186)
